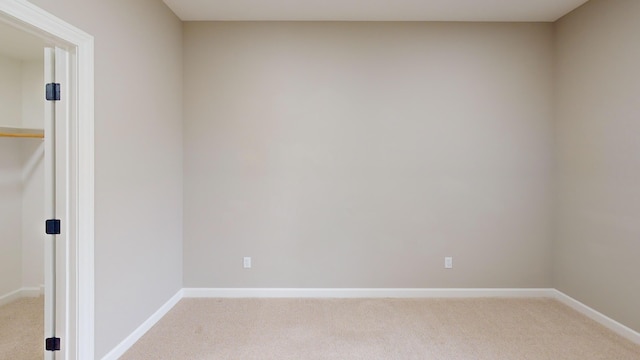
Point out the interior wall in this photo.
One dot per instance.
(361, 154)
(32, 93)
(10, 179)
(10, 216)
(10, 99)
(598, 87)
(32, 155)
(138, 158)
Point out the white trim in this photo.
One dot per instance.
(19, 294)
(597, 316)
(10, 297)
(30, 292)
(362, 293)
(85, 200)
(138, 333)
(23, 14)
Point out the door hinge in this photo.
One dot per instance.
(52, 227)
(52, 344)
(53, 91)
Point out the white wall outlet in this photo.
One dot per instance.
(246, 262)
(448, 262)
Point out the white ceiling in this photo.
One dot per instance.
(20, 45)
(374, 10)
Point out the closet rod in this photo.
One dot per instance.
(14, 135)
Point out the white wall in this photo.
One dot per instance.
(361, 154)
(10, 94)
(598, 151)
(32, 155)
(138, 161)
(10, 216)
(33, 217)
(21, 177)
(33, 93)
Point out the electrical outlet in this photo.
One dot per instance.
(246, 262)
(448, 262)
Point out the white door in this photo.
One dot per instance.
(56, 244)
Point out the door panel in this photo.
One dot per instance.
(50, 203)
(56, 154)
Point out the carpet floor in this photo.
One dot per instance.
(22, 329)
(371, 329)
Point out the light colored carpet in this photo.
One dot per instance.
(371, 329)
(22, 329)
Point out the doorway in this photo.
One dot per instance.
(22, 184)
(73, 315)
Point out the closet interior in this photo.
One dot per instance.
(22, 190)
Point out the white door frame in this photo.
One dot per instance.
(78, 219)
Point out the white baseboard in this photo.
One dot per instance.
(119, 350)
(599, 317)
(362, 293)
(30, 292)
(10, 297)
(18, 294)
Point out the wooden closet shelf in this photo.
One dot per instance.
(21, 133)
(31, 136)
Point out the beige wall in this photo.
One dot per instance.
(598, 126)
(361, 154)
(138, 163)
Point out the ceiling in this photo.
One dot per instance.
(374, 10)
(20, 45)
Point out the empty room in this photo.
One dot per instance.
(437, 179)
